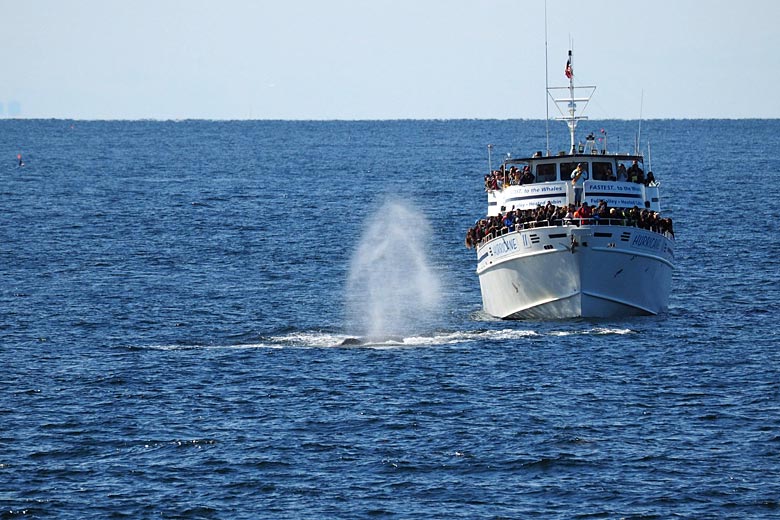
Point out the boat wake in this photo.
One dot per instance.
(321, 339)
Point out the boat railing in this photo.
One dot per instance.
(567, 222)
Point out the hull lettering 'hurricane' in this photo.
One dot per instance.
(576, 234)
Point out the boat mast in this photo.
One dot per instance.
(546, 85)
(572, 119)
(570, 115)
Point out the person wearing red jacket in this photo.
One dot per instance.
(583, 212)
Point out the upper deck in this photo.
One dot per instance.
(617, 179)
(526, 183)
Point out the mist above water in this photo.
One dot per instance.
(392, 290)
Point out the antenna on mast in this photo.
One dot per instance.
(649, 158)
(639, 132)
(572, 105)
(546, 85)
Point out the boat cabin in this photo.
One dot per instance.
(605, 177)
(555, 168)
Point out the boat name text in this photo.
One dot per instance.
(646, 242)
(505, 247)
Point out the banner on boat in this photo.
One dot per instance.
(530, 196)
(615, 194)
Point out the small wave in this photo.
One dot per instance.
(307, 339)
(202, 346)
(619, 332)
(291, 339)
(159, 444)
(193, 443)
(597, 331)
(507, 334)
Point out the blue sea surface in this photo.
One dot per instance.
(173, 299)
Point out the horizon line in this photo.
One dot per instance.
(334, 120)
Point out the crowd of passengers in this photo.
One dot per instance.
(514, 176)
(550, 215)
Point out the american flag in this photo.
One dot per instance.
(569, 73)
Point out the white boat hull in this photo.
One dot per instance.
(611, 271)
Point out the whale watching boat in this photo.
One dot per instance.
(573, 234)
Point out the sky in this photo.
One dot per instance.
(385, 59)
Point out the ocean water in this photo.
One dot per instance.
(173, 296)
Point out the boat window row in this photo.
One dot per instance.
(625, 171)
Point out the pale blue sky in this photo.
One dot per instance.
(384, 59)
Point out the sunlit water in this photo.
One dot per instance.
(175, 297)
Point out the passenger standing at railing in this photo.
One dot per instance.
(527, 177)
(635, 173)
(622, 176)
(514, 176)
(557, 216)
(577, 181)
(583, 212)
(569, 214)
(509, 221)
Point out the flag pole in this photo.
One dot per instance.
(572, 105)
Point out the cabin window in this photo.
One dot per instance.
(602, 171)
(567, 168)
(545, 172)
